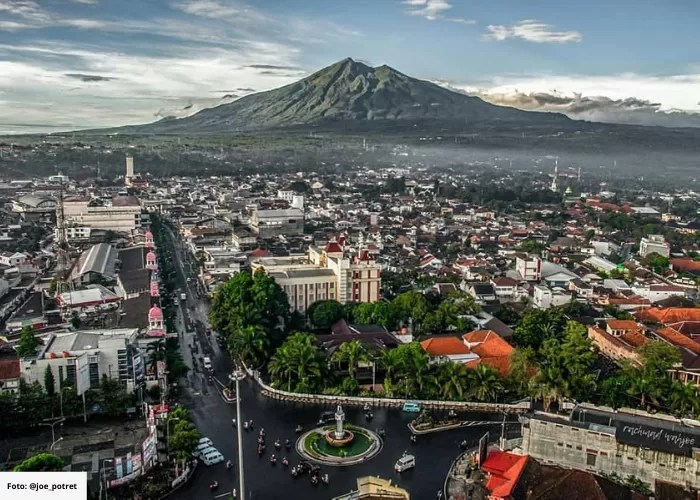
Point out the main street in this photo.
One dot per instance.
(212, 415)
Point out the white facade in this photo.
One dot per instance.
(529, 267)
(123, 214)
(654, 243)
(544, 298)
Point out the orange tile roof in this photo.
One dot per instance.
(678, 339)
(477, 335)
(670, 314)
(685, 265)
(635, 338)
(504, 471)
(491, 349)
(622, 324)
(444, 346)
(501, 363)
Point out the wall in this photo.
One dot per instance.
(599, 452)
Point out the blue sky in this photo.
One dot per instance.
(87, 63)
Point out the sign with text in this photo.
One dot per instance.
(656, 438)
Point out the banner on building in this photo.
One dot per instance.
(672, 441)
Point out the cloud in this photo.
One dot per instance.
(662, 101)
(86, 2)
(31, 15)
(531, 31)
(461, 20)
(271, 66)
(429, 9)
(90, 78)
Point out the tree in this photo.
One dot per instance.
(683, 399)
(250, 344)
(453, 378)
(536, 326)
(184, 437)
(658, 357)
(27, 342)
(531, 246)
(180, 413)
(75, 320)
(410, 305)
(658, 263)
(484, 383)
(325, 312)
(42, 462)
(522, 366)
(298, 364)
(49, 382)
(352, 353)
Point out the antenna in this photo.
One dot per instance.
(63, 262)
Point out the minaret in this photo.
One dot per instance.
(553, 187)
(129, 169)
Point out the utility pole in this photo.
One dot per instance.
(239, 375)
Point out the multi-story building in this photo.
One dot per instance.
(627, 442)
(121, 214)
(271, 223)
(326, 274)
(654, 243)
(529, 266)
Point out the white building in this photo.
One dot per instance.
(272, 223)
(121, 214)
(654, 243)
(529, 266)
(326, 274)
(12, 259)
(544, 298)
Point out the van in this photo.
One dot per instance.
(207, 363)
(212, 458)
(202, 449)
(411, 407)
(404, 463)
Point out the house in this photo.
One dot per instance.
(504, 287)
(528, 266)
(442, 349)
(504, 470)
(490, 348)
(581, 288)
(689, 371)
(668, 315)
(659, 292)
(619, 340)
(482, 292)
(544, 298)
(654, 243)
(556, 276)
(12, 259)
(9, 376)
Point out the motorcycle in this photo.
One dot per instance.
(228, 465)
(314, 480)
(213, 486)
(262, 433)
(366, 408)
(245, 425)
(463, 444)
(233, 422)
(413, 438)
(261, 440)
(325, 479)
(285, 462)
(299, 429)
(381, 432)
(278, 445)
(288, 444)
(273, 460)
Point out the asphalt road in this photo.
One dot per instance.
(212, 415)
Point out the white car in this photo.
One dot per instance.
(212, 458)
(205, 440)
(203, 449)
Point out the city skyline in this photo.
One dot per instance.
(92, 63)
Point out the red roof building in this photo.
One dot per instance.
(504, 470)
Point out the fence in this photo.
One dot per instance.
(322, 399)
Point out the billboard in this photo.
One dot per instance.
(672, 441)
(82, 374)
(149, 451)
(483, 448)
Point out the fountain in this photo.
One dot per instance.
(340, 436)
(340, 444)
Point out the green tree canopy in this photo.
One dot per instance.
(352, 354)
(299, 365)
(538, 325)
(184, 437)
(250, 344)
(43, 462)
(325, 312)
(27, 342)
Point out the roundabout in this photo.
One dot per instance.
(339, 445)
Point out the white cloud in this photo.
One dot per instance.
(532, 31)
(461, 20)
(429, 9)
(31, 15)
(86, 2)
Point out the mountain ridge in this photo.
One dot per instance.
(350, 92)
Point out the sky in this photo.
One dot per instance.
(73, 64)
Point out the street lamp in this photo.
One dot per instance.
(54, 443)
(239, 375)
(103, 477)
(52, 424)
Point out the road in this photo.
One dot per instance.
(212, 415)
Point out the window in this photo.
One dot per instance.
(590, 459)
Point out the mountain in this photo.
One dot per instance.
(352, 94)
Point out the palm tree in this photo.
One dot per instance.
(643, 387)
(683, 398)
(485, 383)
(298, 363)
(250, 343)
(424, 382)
(453, 378)
(157, 353)
(353, 353)
(281, 367)
(393, 361)
(545, 387)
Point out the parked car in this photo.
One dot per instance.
(212, 458)
(411, 407)
(203, 449)
(206, 440)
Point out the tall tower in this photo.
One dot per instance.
(62, 258)
(129, 169)
(554, 187)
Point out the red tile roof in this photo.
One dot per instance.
(504, 471)
(670, 314)
(685, 265)
(333, 247)
(491, 349)
(9, 369)
(444, 346)
(622, 324)
(678, 339)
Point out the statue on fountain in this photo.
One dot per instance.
(340, 436)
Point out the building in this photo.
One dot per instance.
(34, 207)
(327, 274)
(375, 488)
(490, 350)
(654, 243)
(544, 298)
(619, 340)
(627, 442)
(129, 174)
(9, 376)
(83, 357)
(272, 223)
(12, 259)
(503, 470)
(447, 349)
(120, 214)
(528, 266)
(98, 263)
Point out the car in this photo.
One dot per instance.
(203, 449)
(411, 407)
(212, 458)
(207, 362)
(206, 440)
(404, 463)
(326, 417)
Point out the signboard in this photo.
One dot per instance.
(656, 438)
(161, 368)
(82, 374)
(149, 450)
(138, 367)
